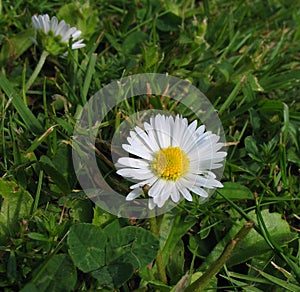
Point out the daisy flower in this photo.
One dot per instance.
(54, 36)
(172, 158)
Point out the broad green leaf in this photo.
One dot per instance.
(133, 245)
(16, 205)
(81, 15)
(81, 210)
(133, 42)
(173, 227)
(235, 191)
(175, 267)
(57, 274)
(168, 22)
(55, 174)
(15, 46)
(87, 244)
(101, 217)
(63, 162)
(254, 244)
(113, 276)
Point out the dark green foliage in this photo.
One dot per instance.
(244, 55)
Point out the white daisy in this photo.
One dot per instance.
(54, 36)
(174, 159)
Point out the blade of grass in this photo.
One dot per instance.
(231, 97)
(88, 78)
(28, 117)
(285, 284)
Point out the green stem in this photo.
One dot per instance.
(155, 226)
(203, 281)
(36, 70)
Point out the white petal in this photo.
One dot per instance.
(132, 162)
(150, 142)
(162, 128)
(186, 194)
(134, 194)
(35, 22)
(61, 28)
(143, 153)
(156, 188)
(175, 195)
(68, 34)
(207, 182)
(199, 191)
(151, 204)
(76, 34)
(152, 137)
(135, 173)
(138, 142)
(171, 190)
(78, 45)
(149, 182)
(200, 130)
(53, 23)
(179, 129)
(159, 200)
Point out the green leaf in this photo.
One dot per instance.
(38, 236)
(113, 276)
(87, 245)
(133, 245)
(175, 267)
(133, 42)
(57, 274)
(254, 245)
(62, 161)
(235, 191)
(173, 227)
(55, 174)
(252, 149)
(168, 22)
(15, 46)
(101, 217)
(285, 284)
(81, 15)
(81, 210)
(16, 205)
(29, 119)
(226, 69)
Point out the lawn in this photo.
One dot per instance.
(68, 106)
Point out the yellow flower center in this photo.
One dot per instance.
(170, 163)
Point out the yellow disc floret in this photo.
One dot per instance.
(170, 163)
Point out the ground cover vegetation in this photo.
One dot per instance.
(243, 55)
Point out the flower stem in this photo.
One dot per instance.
(155, 226)
(37, 70)
(203, 281)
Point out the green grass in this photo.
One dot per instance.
(244, 55)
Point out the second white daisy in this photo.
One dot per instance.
(173, 158)
(54, 36)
